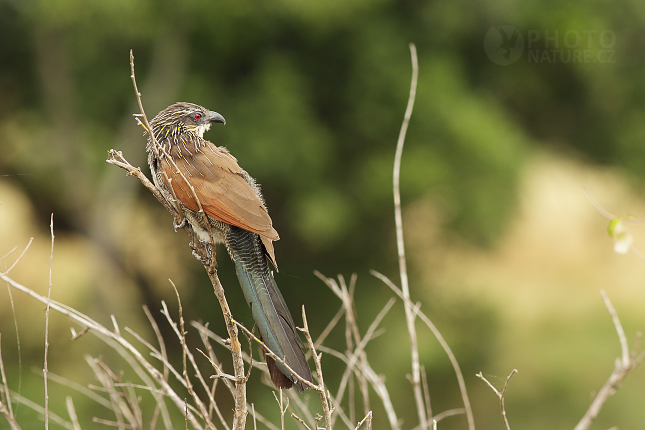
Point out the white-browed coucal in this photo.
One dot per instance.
(238, 217)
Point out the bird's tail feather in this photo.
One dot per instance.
(270, 312)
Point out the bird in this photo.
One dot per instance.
(234, 207)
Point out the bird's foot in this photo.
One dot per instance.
(202, 252)
(179, 223)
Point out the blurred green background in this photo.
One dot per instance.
(505, 251)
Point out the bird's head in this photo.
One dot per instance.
(182, 118)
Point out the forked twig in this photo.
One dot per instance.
(360, 367)
(500, 394)
(367, 419)
(283, 407)
(135, 359)
(6, 272)
(451, 356)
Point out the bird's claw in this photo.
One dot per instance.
(180, 224)
(202, 252)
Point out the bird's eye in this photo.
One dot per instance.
(198, 116)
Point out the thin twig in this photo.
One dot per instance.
(72, 413)
(500, 395)
(38, 409)
(363, 368)
(282, 406)
(6, 272)
(368, 419)
(426, 392)
(358, 356)
(134, 358)
(409, 316)
(624, 347)
(49, 292)
(161, 405)
(6, 397)
(322, 391)
(300, 420)
(239, 419)
(9, 417)
(79, 388)
(186, 354)
(271, 354)
(444, 345)
(448, 413)
(623, 366)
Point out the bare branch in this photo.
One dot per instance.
(118, 343)
(35, 407)
(324, 400)
(300, 420)
(368, 419)
(49, 292)
(448, 413)
(6, 397)
(409, 316)
(271, 354)
(444, 345)
(72, 413)
(9, 417)
(19, 257)
(500, 395)
(363, 368)
(283, 407)
(624, 347)
(622, 367)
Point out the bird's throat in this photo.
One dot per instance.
(201, 129)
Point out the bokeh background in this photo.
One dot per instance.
(506, 253)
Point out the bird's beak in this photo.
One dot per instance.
(215, 117)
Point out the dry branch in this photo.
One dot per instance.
(444, 345)
(49, 293)
(500, 395)
(116, 158)
(398, 218)
(623, 366)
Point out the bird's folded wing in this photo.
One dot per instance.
(221, 189)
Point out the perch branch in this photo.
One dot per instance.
(116, 158)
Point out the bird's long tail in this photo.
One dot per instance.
(270, 312)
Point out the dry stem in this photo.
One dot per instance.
(116, 158)
(444, 345)
(49, 292)
(622, 367)
(500, 395)
(322, 391)
(409, 314)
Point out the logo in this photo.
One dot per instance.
(503, 44)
